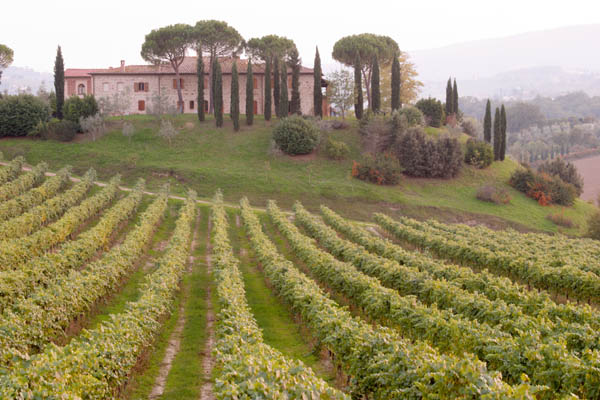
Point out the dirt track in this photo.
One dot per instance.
(589, 168)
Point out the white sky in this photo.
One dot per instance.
(102, 32)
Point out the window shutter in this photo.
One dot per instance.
(174, 83)
(181, 82)
(135, 86)
(146, 86)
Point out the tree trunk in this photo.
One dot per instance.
(179, 94)
(367, 83)
(211, 92)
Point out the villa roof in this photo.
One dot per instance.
(80, 72)
(187, 67)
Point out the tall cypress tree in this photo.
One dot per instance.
(487, 123)
(218, 94)
(449, 98)
(497, 135)
(276, 88)
(358, 95)
(234, 107)
(455, 99)
(317, 93)
(375, 91)
(250, 94)
(283, 96)
(503, 132)
(268, 94)
(395, 84)
(213, 85)
(59, 83)
(200, 75)
(295, 65)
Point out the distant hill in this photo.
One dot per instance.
(547, 63)
(15, 79)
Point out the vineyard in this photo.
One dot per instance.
(112, 292)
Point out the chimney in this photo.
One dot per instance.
(122, 65)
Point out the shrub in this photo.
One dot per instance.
(471, 127)
(433, 111)
(55, 129)
(422, 156)
(167, 130)
(544, 188)
(593, 229)
(412, 115)
(21, 114)
(336, 150)
(296, 135)
(493, 194)
(94, 124)
(561, 220)
(76, 108)
(382, 169)
(565, 171)
(379, 134)
(479, 154)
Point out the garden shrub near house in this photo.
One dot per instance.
(433, 110)
(413, 115)
(55, 129)
(382, 169)
(76, 108)
(20, 114)
(493, 194)
(295, 135)
(335, 149)
(544, 188)
(565, 171)
(479, 154)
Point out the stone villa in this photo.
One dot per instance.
(143, 82)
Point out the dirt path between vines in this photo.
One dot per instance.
(208, 360)
(175, 339)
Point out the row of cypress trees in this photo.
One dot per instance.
(451, 98)
(280, 91)
(499, 124)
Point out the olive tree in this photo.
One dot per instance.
(6, 57)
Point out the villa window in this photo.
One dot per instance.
(141, 86)
(141, 105)
(205, 105)
(191, 104)
(81, 89)
(255, 83)
(175, 83)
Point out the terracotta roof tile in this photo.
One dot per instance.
(81, 72)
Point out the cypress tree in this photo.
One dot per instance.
(395, 84)
(200, 75)
(218, 94)
(455, 99)
(213, 85)
(358, 96)
(317, 93)
(449, 97)
(503, 133)
(487, 123)
(375, 92)
(250, 95)
(268, 94)
(234, 107)
(497, 135)
(295, 101)
(59, 83)
(276, 88)
(283, 97)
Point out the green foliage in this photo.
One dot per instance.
(20, 114)
(269, 47)
(283, 95)
(479, 154)
(487, 123)
(565, 171)
(340, 90)
(358, 95)
(276, 88)
(268, 91)
(6, 58)
(295, 65)
(493, 194)
(413, 115)
(375, 89)
(59, 82)
(502, 133)
(449, 98)
(235, 98)
(216, 38)
(76, 108)
(455, 109)
(200, 77)
(218, 94)
(61, 130)
(432, 110)
(396, 104)
(497, 135)
(382, 169)
(296, 135)
(544, 188)
(593, 226)
(317, 91)
(336, 150)
(250, 96)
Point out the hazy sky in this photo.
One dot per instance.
(100, 33)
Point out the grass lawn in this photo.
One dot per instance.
(244, 164)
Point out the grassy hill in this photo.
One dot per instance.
(246, 164)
